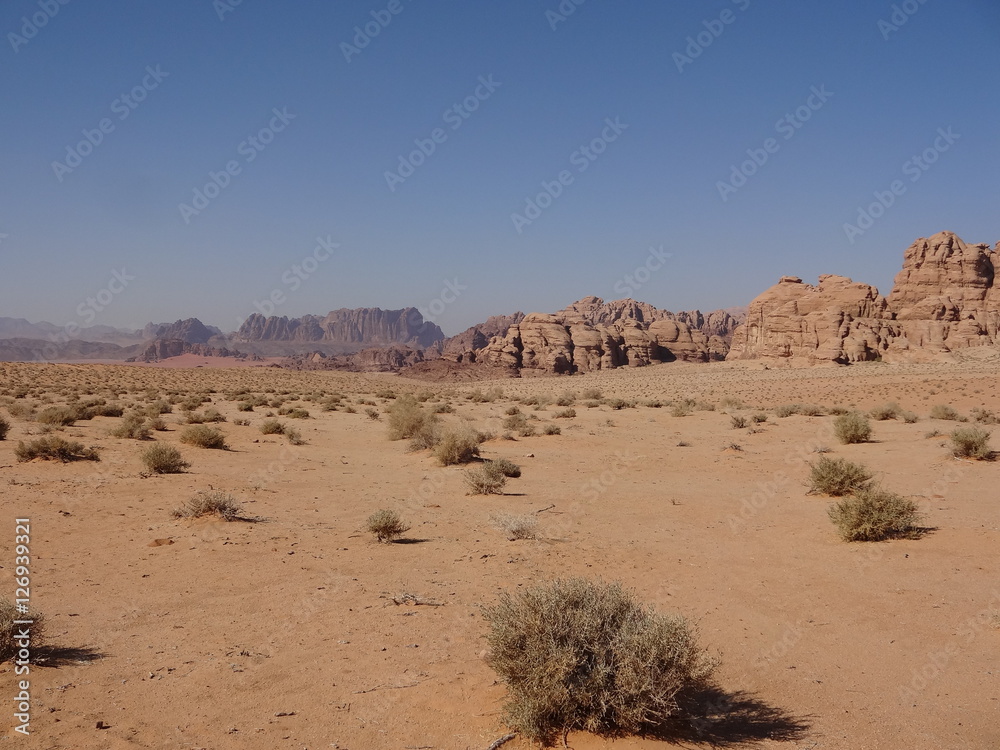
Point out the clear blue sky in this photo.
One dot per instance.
(324, 174)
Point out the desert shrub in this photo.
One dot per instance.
(909, 417)
(759, 418)
(971, 442)
(984, 416)
(4, 428)
(787, 410)
(506, 467)
(443, 409)
(296, 413)
(373, 414)
(457, 446)
(215, 503)
(427, 436)
(852, 428)
(682, 409)
(886, 411)
(652, 403)
(8, 630)
(57, 416)
(551, 429)
(515, 421)
(873, 514)
(239, 422)
(576, 654)
(244, 406)
(565, 414)
(133, 426)
(530, 401)
(591, 394)
(616, 403)
(527, 430)
(487, 479)
(386, 394)
(729, 402)
(407, 418)
(21, 410)
(386, 525)
(516, 527)
(209, 415)
(294, 437)
(203, 437)
(837, 476)
(592, 404)
(53, 448)
(272, 427)
(163, 459)
(811, 410)
(566, 399)
(157, 424)
(738, 422)
(943, 411)
(350, 410)
(510, 411)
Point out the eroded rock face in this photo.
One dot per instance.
(462, 347)
(373, 359)
(192, 330)
(363, 325)
(944, 298)
(592, 334)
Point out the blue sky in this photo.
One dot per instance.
(697, 89)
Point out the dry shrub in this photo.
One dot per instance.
(407, 418)
(971, 442)
(4, 428)
(386, 525)
(551, 429)
(516, 527)
(53, 448)
(582, 655)
(787, 410)
(565, 414)
(57, 416)
(8, 630)
(215, 503)
(163, 459)
(22, 411)
(506, 467)
(837, 476)
(891, 410)
(457, 446)
(294, 437)
(133, 426)
(272, 427)
(204, 437)
(852, 428)
(943, 411)
(873, 514)
(738, 422)
(487, 479)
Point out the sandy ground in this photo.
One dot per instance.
(297, 631)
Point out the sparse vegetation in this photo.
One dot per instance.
(837, 476)
(506, 467)
(852, 428)
(552, 429)
(407, 418)
(971, 442)
(943, 411)
(204, 437)
(4, 428)
(576, 654)
(485, 480)
(54, 448)
(8, 630)
(891, 410)
(873, 514)
(214, 503)
(516, 526)
(163, 459)
(565, 414)
(372, 413)
(133, 426)
(294, 437)
(457, 446)
(738, 422)
(386, 525)
(272, 427)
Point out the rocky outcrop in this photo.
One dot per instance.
(364, 326)
(944, 299)
(373, 359)
(192, 330)
(462, 347)
(592, 334)
(161, 349)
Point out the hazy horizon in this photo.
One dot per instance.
(192, 161)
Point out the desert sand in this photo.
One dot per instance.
(300, 631)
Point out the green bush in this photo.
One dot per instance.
(580, 655)
(386, 525)
(873, 514)
(837, 476)
(52, 448)
(852, 428)
(163, 459)
(971, 442)
(204, 437)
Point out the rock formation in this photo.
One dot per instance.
(462, 347)
(362, 326)
(373, 359)
(944, 299)
(192, 330)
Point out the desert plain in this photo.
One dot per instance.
(294, 628)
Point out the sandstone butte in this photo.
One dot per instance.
(944, 299)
